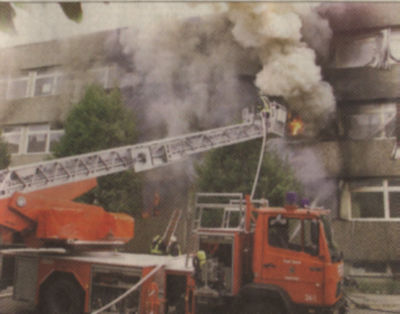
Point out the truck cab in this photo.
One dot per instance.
(263, 259)
(294, 250)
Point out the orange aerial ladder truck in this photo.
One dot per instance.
(70, 264)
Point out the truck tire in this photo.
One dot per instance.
(62, 296)
(254, 307)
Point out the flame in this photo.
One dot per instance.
(296, 126)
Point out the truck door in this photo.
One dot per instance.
(290, 258)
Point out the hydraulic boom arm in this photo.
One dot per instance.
(63, 174)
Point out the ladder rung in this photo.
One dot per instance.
(141, 157)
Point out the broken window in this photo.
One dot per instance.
(376, 49)
(370, 121)
(395, 46)
(357, 52)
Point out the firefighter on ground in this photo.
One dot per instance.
(174, 248)
(198, 262)
(158, 246)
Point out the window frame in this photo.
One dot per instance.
(31, 79)
(298, 233)
(385, 189)
(372, 110)
(54, 85)
(24, 132)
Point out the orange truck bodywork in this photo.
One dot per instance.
(50, 215)
(262, 271)
(307, 279)
(303, 279)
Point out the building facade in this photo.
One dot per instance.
(365, 74)
(40, 82)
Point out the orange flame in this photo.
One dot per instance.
(296, 126)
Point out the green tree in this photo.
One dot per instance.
(233, 168)
(100, 121)
(5, 157)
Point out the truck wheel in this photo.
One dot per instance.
(260, 308)
(62, 296)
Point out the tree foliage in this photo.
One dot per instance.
(233, 168)
(100, 121)
(5, 157)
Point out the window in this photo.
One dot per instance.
(31, 139)
(377, 49)
(294, 234)
(357, 52)
(367, 205)
(50, 81)
(375, 199)
(37, 138)
(395, 46)
(370, 121)
(44, 85)
(36, 83)
(12, 136)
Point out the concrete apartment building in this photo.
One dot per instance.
(39, 83)
(365, 75)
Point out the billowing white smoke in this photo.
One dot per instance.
(189, 73)
(289, 69)
(309, 169)
(285, 38)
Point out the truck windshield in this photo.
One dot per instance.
(336, 255)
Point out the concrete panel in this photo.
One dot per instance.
(72, 53)
(34, 110)
(364, 158)
(368, 240)
(366, 83)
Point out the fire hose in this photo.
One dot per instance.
(260, 159)
(129, 291)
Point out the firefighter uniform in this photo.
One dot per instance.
(157, 246)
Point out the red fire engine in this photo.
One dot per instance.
(254, 260)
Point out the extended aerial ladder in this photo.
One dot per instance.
(24, 210)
